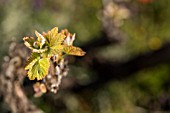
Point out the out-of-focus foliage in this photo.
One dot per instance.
(146, 29)
(150, 27)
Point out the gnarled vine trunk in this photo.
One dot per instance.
(11, 79)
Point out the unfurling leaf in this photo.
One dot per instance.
(29, 42)
(39, 89)
(47, 58)
(35, 45)
(40, 39)
(69, 37)
(72, 50)
(38, 68)
(40, 50)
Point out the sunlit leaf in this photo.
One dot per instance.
(34, 45)
(40, 50)
(48, 46)
(56, 49)
(59, 39)
(40, 39)
(33, 57)
(38, 68)
(54, 38)
(53, 51)
(29, 41)
(51, 35)
(72, 50)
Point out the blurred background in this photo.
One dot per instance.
(127, 65)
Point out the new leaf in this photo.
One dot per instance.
(38, 68)
(54, 38)
(72, 50)
(55, 41)
(34, 45)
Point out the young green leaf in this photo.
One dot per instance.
(40, 39)
(54, 38)
(53, 33)
(55, 49)
(34, 45)
(38, 68)
(50, 35)
(40, 50)
(72, 50)
(55, 41)
(29, 41)
(59, 39)
(32, 57)
(45, 48)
